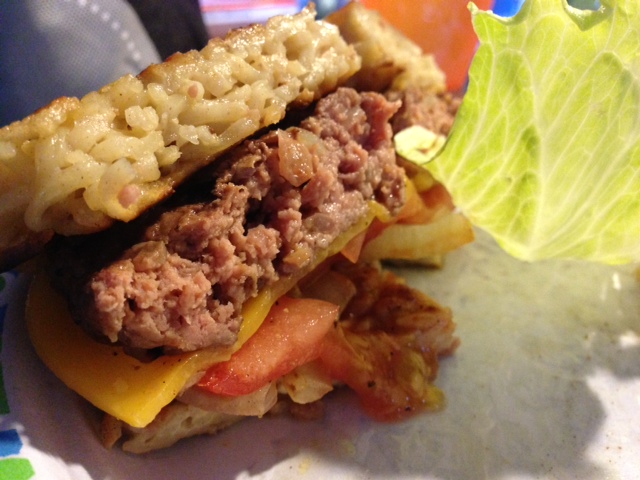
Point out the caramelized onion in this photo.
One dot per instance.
(253, 404)
(297, 163)
(306, 384)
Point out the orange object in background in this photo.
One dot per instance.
(441, 27)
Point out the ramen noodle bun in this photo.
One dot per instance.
(77, 165)
(390, 61)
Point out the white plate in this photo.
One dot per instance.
(546, 384)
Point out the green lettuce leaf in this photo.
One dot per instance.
(545, 151)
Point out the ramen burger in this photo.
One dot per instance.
(211, 232)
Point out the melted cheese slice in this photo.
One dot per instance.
(122, 386)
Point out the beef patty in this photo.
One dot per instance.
(177, 281)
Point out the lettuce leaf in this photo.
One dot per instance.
(545, 151)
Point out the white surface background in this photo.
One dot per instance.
(546, 384)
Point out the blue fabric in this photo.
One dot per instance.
(54, 48)
(10, 443)
(507, 8)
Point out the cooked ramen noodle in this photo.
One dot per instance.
(78, 164)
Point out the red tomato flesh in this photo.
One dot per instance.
(289, 337)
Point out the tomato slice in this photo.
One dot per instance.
(289, 337)
(352, 250)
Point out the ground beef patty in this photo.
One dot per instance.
(182, 282)
(433, 111)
